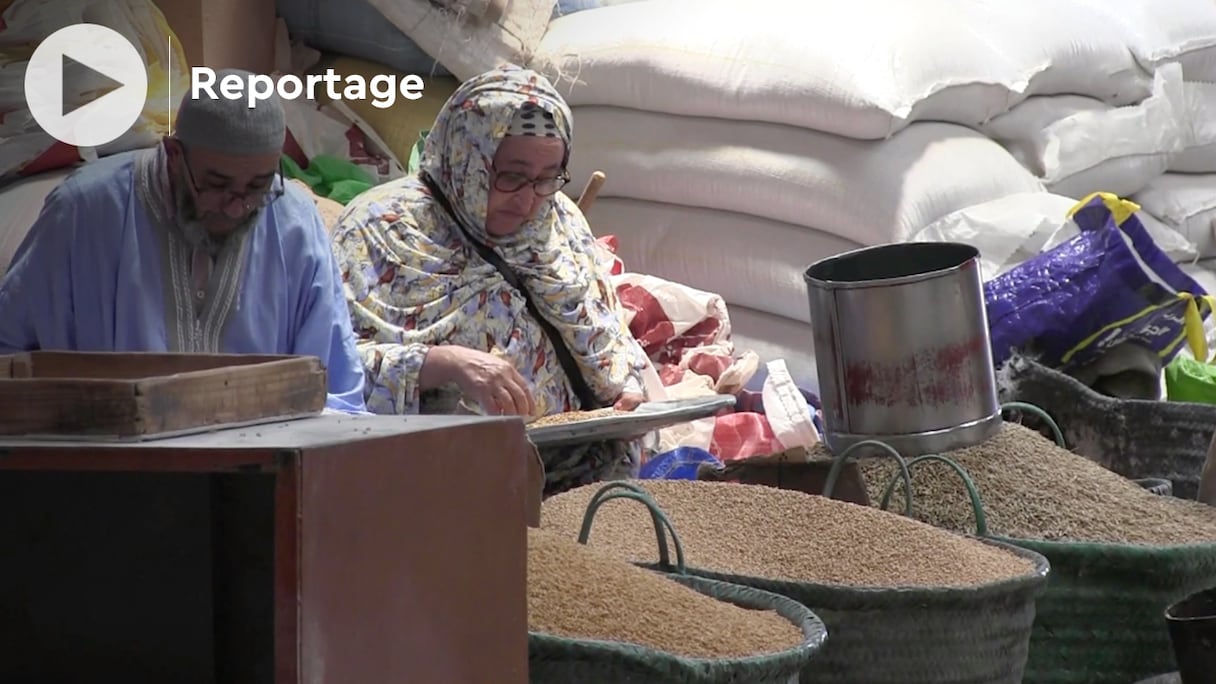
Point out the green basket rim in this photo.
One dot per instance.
(1110, 548)
(1033, 582)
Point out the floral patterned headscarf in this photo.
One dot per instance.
(460, 147)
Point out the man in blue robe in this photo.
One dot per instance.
(198, 245)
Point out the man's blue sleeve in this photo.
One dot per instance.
(325, 330)
(36, 303)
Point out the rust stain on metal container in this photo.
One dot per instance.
(930, 377)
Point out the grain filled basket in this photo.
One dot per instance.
(1119, 553)
(903, 602)
(593, 618)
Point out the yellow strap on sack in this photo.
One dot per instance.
(1192, 331)
(1120, 208)
(1196, 337)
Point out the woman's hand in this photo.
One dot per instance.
(628, 401)
(485, 378)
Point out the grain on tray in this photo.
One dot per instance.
(761, 531)
(573, 417)
(1031, 488)
(577, 593)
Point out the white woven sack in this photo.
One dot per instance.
(868, 192)
(470, 37)
(1079, 145)
(1186, 203)
(750, 261)
(1163, 31)
(862, 69)
(1199, 152)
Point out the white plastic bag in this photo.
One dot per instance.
(1006, 231)
(1168, 239)
(788, 413)
(1010, 230)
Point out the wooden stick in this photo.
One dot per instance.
(590, 192)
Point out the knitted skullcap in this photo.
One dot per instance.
(531, 119)
(231, 126)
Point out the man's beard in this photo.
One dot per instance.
(191, 220)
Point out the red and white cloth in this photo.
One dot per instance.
(687, 335)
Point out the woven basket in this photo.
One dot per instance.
(557, 660)
(1101, 618)
(1132, 437)
(906, 636)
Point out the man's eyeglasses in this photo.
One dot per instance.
(251, 198)
(510, 181)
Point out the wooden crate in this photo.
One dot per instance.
(148, 395)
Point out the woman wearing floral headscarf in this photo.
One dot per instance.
(429, 261)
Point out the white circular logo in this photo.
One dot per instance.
(86, 85)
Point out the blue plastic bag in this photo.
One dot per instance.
(680, 463)
(1106, 286)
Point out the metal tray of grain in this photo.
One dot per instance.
(138, 396)
(603, 424)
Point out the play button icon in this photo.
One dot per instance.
(86, 85)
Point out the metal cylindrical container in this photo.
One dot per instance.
(902, 347)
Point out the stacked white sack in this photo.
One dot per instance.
(1185, 198)
(1080, 145)
(741, 208)
(861, 69)
(1187, 204)
(1198, 154)
(1161, 31)
(1182, 31)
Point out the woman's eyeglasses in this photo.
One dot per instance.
(510, 181)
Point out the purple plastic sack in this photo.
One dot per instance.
(1108, 285)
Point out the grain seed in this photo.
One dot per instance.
(1033, 489)
(573, 417)
(578, 593)
(760, 531)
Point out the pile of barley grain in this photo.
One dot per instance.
(573, 417)
(578, 593)
(760, 531)
(1033, 489)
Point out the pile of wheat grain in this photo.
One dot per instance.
(760, 531)
(1031, 488)
(573, 417)
(577, 593)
